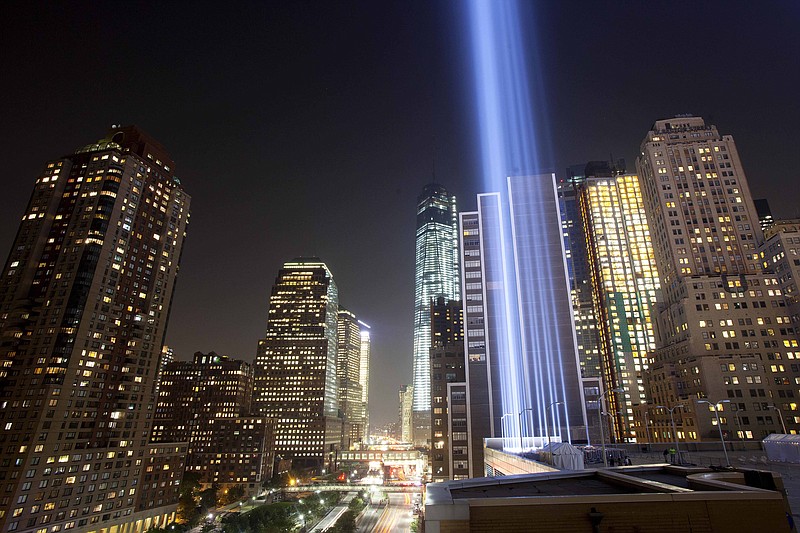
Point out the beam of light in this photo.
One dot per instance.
(535, 360)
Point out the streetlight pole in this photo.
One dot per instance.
(719, 426)
(780, 417)
(549, 447)
(600, 419)
(672, 421)
(520, 426)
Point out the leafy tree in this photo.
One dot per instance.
(232, 494)
(208, 498)
(346, 523)
(190, 483)
(274, 518)
(187, 508)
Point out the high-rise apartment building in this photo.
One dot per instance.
(522, 363)
(436, 275)
(624, 286)
(363, 375)
(85, 297)
(723, 330)
(295, 367)
(207, 402)
(447, 370)
(348, 370)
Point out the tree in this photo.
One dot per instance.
(190, 483)
(346, 523)
(232, 494)
(208, 497)
(187, 502)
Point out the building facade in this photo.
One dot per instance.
(234, 451)
(780, 254)
(405, 413)
(436, 275)
(195, 392)
(579, 273)
(723, 332)
(348, 370)
(207, 402)
(624, 287)
(363, 375)
(522, 368)
(295, 367)
(447, 368)
(85, 297)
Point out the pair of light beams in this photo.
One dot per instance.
(529, 351)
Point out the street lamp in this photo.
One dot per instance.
(549, 447)
(715, 406)
(600, 418)
(672, 421)
(780, 417)
(520, 426)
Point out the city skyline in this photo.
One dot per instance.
(306, 139)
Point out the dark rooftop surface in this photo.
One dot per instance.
(661, 476)
(546, 487)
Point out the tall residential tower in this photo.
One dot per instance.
(85, 296)
(437, 274)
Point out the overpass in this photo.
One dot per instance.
(333, 487)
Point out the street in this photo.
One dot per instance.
(393, 518)
(334, 514)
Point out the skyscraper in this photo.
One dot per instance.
(578, 264)
(437, 273)
(447, 370)
(522, 370)
(722, 328)
(85, 297)
(624, 285)
(295, 367)
(363, 375)
(348, 370)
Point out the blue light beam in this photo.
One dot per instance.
(531, 349)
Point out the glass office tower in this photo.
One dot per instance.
(436, 275)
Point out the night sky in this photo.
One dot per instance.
(309, 128)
